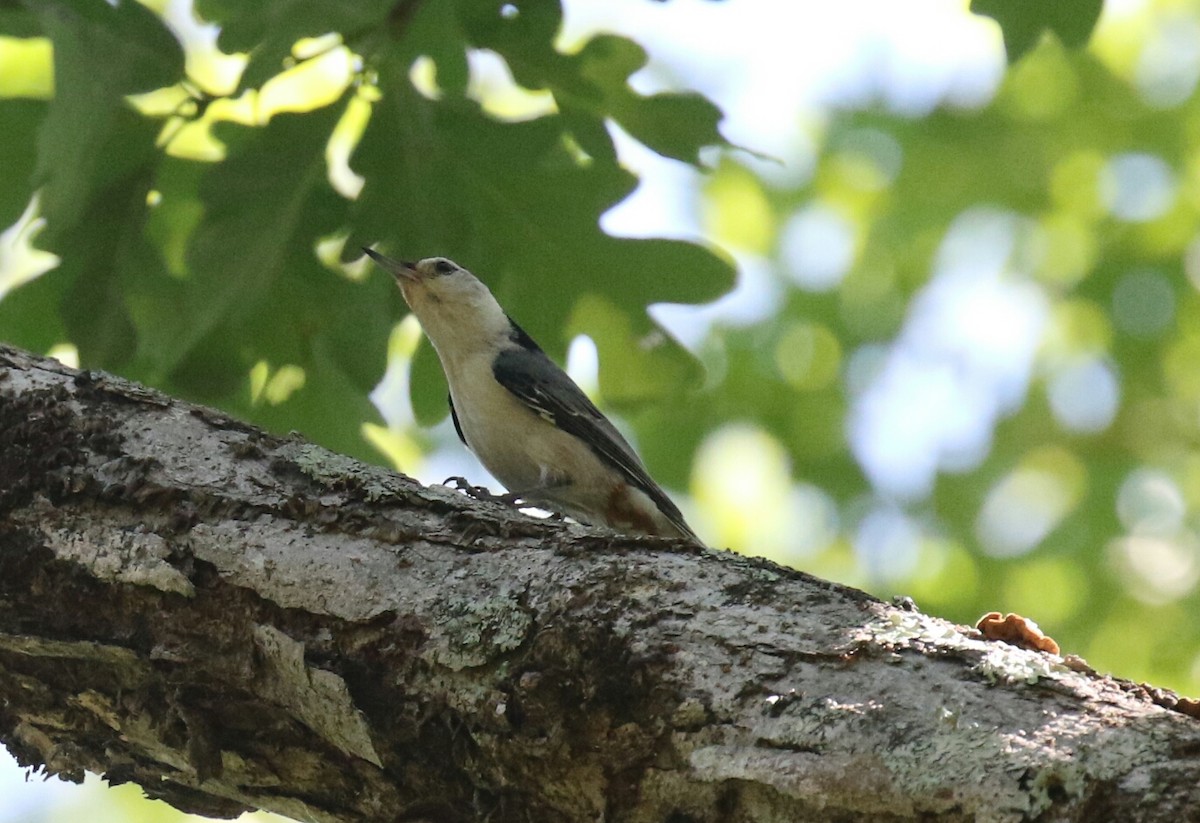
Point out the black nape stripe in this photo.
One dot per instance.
(520, 337)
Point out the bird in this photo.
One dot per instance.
(526, 420)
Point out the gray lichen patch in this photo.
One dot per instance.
(317, 698)
(1050, 764)
(907, 629)
(1009, 664)
(965, 749)
(336, 471)
(473, 633)
(135, 556)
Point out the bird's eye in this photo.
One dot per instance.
(444, 267)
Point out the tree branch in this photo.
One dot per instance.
(235, 620)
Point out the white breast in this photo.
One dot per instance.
(522, 450)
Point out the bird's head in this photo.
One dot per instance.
(449, 301)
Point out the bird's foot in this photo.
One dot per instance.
(518, 499)
(470, 490)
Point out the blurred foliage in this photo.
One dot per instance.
(208, 232)
(1088, 159)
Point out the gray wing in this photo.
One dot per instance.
(546, 389)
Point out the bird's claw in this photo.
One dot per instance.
(467, 488)
(517, 499)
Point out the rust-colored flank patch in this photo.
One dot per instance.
(622, 511)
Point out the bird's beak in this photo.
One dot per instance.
(400, 269)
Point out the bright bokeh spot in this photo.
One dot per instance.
(868, 159)
(1137, 187)
(1180, 365)
(66, 354)
(1085, 395)
(1041, 86)
(20, 261)
(399, 439)
(1169, 63)
(742, 482)
(1077, 328)
(887, 542)
(311, 84)
(26, 68)
(737, 210)
(1070, 249)
(963, 359)
(1126, 640)
(1030, 501)
(583, 364)
(808, 356)
(755, 298)
(207, 66)
(1054, 589)
(403, 451)
(391, 395)
(1156, 570)
(274, 386)
(423, 76)
(946, 577)
(817, 522)
(1075, 184)
(345, 137)
(492, 84)
(817, 246)
(1150, 502)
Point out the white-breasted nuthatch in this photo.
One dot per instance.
(529, 424)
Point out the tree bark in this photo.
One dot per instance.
(235, 620)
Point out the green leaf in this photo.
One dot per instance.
(139, 52)
(533, 28)
(246, 25)
(674, 125)
(1023, 21)
(107, 258)
(595, 82)
(102, 52)
(18, 154)
(251, 288)
(104, 254)
(257, 222)
(435, 31)
(83, 301)
(18, 22)
(29, 315)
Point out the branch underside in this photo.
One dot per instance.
(234, 620)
